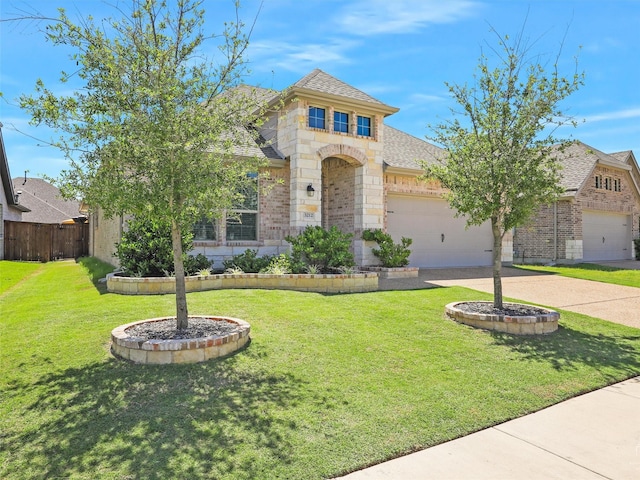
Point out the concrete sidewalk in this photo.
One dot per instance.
(593, 436)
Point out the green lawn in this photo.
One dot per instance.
(329, 384)
(591, 271)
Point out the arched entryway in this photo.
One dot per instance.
(341, 191)
(338, 194)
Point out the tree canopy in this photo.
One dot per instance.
(157, 129)
(498, 163)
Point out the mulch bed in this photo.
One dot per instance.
(166, 329)
(509, 309)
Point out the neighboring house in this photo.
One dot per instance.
(597, 217)
(45, 202)
(10, 207)
(333, 161)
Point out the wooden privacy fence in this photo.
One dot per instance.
(45, 241)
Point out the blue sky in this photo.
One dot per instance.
(399, 51)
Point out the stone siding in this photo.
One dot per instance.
(104, 233)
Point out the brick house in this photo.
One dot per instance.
(339, 164)
(597, 217)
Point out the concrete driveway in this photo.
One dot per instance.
(615, 303)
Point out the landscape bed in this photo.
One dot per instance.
(322, 283)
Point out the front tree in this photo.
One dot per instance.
(499, 165)
(154, 130)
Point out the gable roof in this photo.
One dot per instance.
(578, 162)
(319, 84)
(11, 198)
(320, 81)
(44, 201)
(402, 151)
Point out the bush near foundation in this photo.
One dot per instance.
(392, 255)
(328, 250)
(145, 250)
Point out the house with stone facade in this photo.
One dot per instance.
(333, 161)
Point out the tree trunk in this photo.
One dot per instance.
(497, 264)
(182, 315)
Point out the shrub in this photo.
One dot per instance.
(328, 249)
(248, 262)
(391, 255)
(636, 242)
(194, 265)
(145, 250)
(279, 265)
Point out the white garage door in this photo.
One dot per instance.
(606, 236)
(439, 239)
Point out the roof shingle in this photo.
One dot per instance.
(322, 82)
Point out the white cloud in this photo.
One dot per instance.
(616, 115)
(373, 17)
(300, 58)
(424, 97)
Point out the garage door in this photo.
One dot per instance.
(606, 236)
(439, 239)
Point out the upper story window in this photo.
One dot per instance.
(316, 117)
(617, 185)
(608, 184)
(341, 122)
(364, 126)
(598, 181)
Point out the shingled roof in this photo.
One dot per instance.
(45, 201)
(578, 161)
(402, 150)
(322, 82)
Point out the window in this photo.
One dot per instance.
(617, 185)
(316, 117)
(598, 181)
(364, 126)
(242, 227)
(340, 122)
(244, 224)
(204, 230)
(608, 184)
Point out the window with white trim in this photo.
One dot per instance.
(608, 184)
(243, 224)
(204, 230)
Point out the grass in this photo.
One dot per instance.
(591, 271)
(329, 384)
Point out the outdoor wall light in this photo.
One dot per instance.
(310, 190)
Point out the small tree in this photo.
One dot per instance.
(499, 166)
(155, 130)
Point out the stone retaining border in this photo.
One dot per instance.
(516, 325)
(322, 283)
(188, 350)
(395, 272)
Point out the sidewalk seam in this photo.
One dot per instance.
(551, 452)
